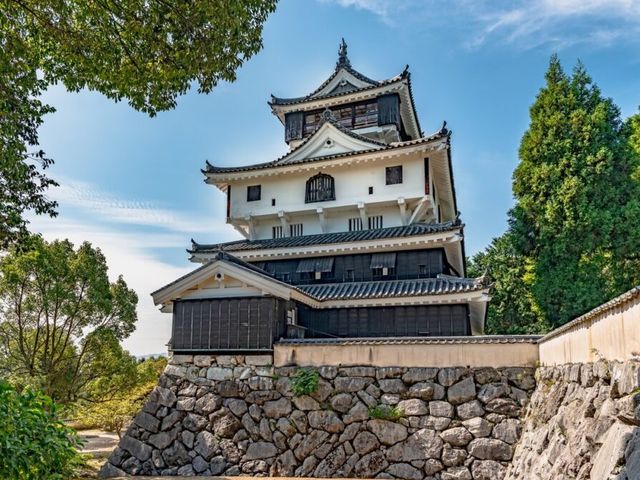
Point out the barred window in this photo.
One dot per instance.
(277, 231)
(375, 222)
(253, 193)
(320, 188)
(394, 175)
(355, 224)
(295, 230)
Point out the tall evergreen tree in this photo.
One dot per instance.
(512, 309)
(576, 188)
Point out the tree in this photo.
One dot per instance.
(62, 321)
(148, 52)
(115, 413)
(34, 443)
(576, 190)
(511, 310)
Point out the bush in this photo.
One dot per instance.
(305, 382)
(34, 443)
(386, 412)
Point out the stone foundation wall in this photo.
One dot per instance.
(582, 423)
(237, 415)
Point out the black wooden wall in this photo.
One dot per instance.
(230, 324)
(408, 265)
(409, 321)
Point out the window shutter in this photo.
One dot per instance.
(389, 110)
(293, 126)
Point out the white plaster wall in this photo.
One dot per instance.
(352, 186)
(613, 334)
(436, 355)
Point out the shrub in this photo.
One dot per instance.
(305, 381)
(34, 443)
(386, 412)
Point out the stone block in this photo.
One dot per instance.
(388, 433)
(136, 448)
(461, 392)
(413, 407)
(219, 373)
(259, 360)
(202, 361)
(440, 409)
(260, 450)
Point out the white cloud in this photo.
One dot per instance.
(88, 197)
(523, 23)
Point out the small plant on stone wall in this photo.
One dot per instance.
(386, 412)
(305, 381)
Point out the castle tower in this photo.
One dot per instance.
(354, 232)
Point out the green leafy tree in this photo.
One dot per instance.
(62, 321)
(115, 413)
(147, 52)
(34, 443)
(511, 310)
(576, 189)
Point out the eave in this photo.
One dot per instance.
(400, 84)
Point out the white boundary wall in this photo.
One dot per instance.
(610, 331)
(480, 351)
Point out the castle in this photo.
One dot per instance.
(354, 232)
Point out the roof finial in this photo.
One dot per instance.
(343, 60)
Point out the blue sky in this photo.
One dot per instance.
(132, 185)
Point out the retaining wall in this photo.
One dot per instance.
(234, 415)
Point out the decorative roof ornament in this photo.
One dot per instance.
(327, 115)
(343, 59)
(443, 129)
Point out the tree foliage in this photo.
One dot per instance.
(147, 52)
(62, 321)
(115, 413)
(34, 443)
(573, 239)
(512, 309)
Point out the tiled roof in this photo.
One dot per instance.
(461, 340)
(283, 162)
(328, 238)
(392, 288)
(314, 95)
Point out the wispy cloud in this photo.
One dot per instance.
(87, 197)
(523, 24)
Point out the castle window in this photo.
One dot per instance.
(295, 229)
(375, 222)
(348, 275)
(253, 193)
(277, 231)
(355, 224)
(394, 175)
(383, 264)
(320, 188)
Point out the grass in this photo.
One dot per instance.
(386, 412)
(305, 381)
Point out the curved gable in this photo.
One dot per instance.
(330, 140)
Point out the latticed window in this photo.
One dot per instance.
(320, 188)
